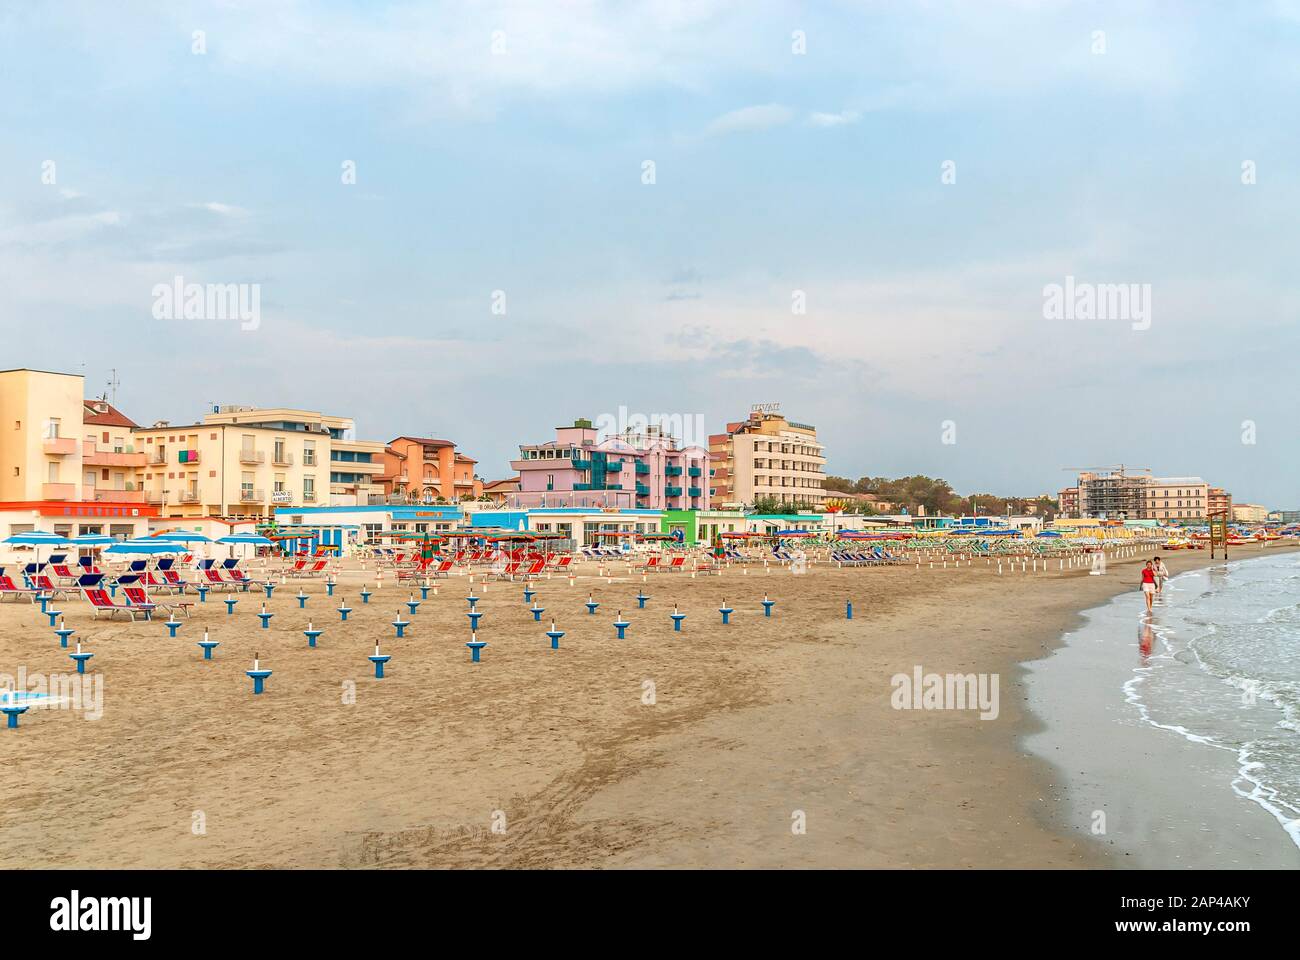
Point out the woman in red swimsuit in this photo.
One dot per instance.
(1148, 583)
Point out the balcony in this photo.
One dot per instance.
(581, 464)
(672, 491)
(188, 458)
(693, 471)
(101, 495)
(642, 468)
(672, 471)
(157, 458)
(58, 491)
(282, 459)
(252, 496)
(252, 456)
(93, 456)
(59, 446)
(642, 490)
(597, 486)
(309, 496)
(693, 491)
(188, 496)
(614, 465)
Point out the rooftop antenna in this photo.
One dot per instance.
(113, 384)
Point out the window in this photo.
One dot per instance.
(309, 453)
(309, 488)
(52, 428)
(54, 471)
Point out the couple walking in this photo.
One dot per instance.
(1154, 575)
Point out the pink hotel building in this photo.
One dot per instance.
(646, 471)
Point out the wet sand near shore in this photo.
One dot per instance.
(698, 748)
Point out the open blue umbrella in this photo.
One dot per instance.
(37, 538)
(253, 539)
(145, 547)
(93, 540)
(182, 536)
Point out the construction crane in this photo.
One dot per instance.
(1108, 468)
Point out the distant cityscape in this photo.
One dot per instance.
(66, 455)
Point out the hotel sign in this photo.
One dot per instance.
(765, 408)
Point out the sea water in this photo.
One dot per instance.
(1177, 736)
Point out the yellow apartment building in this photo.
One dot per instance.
(1249, 512)
(1175, 498)
(66, 465)
(767, 456)
(40, 435)
(247, 462)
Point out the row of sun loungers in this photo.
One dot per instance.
(876, 556)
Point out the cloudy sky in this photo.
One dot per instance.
(913, 174)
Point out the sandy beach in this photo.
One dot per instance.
(691, 749)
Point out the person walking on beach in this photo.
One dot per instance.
(1149, 583)
(1162, 574)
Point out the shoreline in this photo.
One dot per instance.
(1137, 778)
(1024, 827)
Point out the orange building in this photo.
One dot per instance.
(499, 490)
(424, 468)
(1220, 502)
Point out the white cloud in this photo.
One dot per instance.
(834, 119)
(748, 119)
(224, 209)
